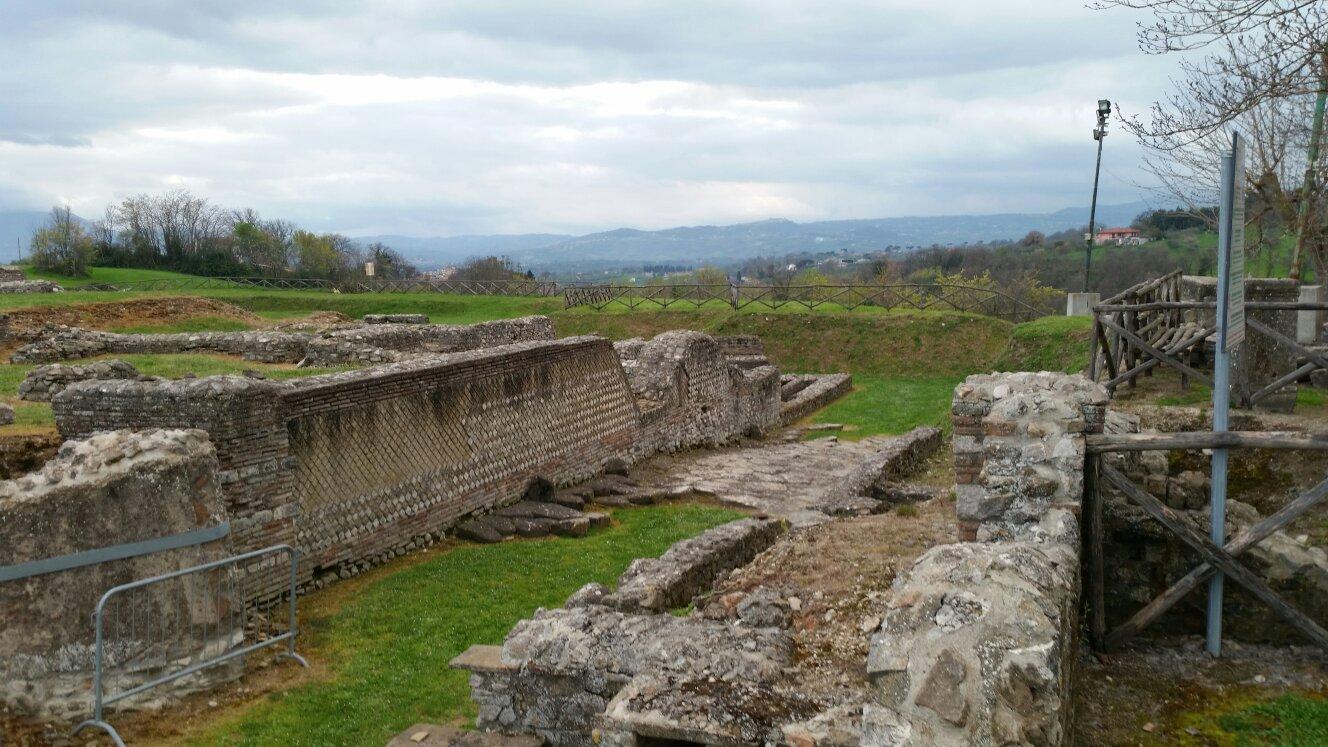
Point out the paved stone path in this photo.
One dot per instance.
(786, 479)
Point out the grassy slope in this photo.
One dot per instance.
(905, 364)
(1052, 343)
(105, 275)
(388, 644)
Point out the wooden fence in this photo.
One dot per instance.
(973, 299)
(1215, 559)
(361, 285)
(1150, 325)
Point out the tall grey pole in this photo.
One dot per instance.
(1099, 134)
(1228, 229)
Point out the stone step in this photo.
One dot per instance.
(433, 735)
(479, 530)
(569, 499)
(532, 509)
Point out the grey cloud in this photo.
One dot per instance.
(724, 111)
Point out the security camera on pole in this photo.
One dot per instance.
(1081, 304)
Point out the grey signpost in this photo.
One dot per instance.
(1230, 333)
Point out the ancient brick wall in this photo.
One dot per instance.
(690, 395)
(353, 467)
(385, 455)
(242, 418)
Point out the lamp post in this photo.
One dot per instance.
(1099, 133)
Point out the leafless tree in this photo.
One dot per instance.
(1265, 71)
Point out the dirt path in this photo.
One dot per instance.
(838, 576)
(1168, 692)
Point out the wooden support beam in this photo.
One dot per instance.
(1282, 381)
(1097, 443)
(1217, 557)
(1163, 357)
(1247, 538)
(1108, 354)
(1094, 539)
(1173, 350)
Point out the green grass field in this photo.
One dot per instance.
(905, 363)
(387, 645)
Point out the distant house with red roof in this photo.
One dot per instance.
(1120, 236)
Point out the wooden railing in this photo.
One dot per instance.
(946, 297)
(1215, 559)
(362, 285)
(1149, 325)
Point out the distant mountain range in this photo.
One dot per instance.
(698, 244)
(727, 244)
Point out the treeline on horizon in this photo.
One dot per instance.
(1032, 268)
(181, 232)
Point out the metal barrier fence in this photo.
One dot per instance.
(363, 285)
(927, 296)
(163, 628)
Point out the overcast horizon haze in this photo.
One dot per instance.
(483, 118)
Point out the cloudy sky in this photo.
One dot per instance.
(480, 116)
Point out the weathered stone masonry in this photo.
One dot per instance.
(346, 344)
(690, 395)
(114, 488)
(349, 466)
(980, 642)
(389, 454)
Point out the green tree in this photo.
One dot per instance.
(62, 245)
(709, 275)
(316, 255)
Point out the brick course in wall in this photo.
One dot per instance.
(349, 466)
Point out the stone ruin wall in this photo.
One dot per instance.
(743, 351)
(386, 455)
(361, 465)
(980, 643)
(30, 286)
(242, 419)
(804, 394)
(12, 280)
(356, 467)
(114, 488)
(369, 343)
(563, 674)
(689, 394)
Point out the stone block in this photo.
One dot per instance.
(1081, 304)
